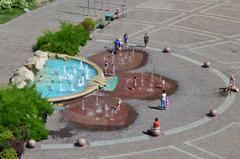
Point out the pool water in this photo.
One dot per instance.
(63, 78)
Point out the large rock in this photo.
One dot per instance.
(22, 77)
(38, 62)
(24, 73)
(40, 53)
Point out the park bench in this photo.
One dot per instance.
(102, 23)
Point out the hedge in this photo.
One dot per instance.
(65, 41)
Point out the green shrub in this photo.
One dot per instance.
(65, 41)
(21, 111)
(88, 24)
(6, 5)
(8, 154)
(6, 135)
(20, 4)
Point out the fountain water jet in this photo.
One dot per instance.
(83, 105)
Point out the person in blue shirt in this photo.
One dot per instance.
(117, 45)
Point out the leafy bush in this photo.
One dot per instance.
(20, 4)
(21, 111)
(5, 5)
(65, 41)
(88, 24)
(8, 154)
(6, 135)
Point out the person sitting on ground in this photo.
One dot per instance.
(232, 85)
(117, 13)
(156, 125)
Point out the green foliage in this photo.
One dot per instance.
(20, 4)
(6, 135)
(6, 5)
(89, 24)
(21, 112)
(8, 154)
(65, 41)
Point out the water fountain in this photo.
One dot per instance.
(72, 87)
(61, 83)
(129, 56)
(99, 109)
(104, 58)
(87, 72)
(133, 53)
(127, 82)
(83, 105)
(66, 78)
(142, 81)
(112, 114)
(106, 108)
(64, 69)
(151, 82)
(75, 70)
(113, 58)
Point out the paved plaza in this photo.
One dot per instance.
(196, 31)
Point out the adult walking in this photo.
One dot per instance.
(146, 38)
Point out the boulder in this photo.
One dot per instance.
(38, 62)
(40, 53)
(24, 73)
(52, 55)
(30, 66)
(22, 77)
(62, 56)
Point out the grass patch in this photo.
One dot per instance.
(9, 15)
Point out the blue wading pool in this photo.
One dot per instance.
(62, 78)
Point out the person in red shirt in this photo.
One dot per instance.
(156, 124)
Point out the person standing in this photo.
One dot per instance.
(134, 83)
(105, 67)
(164, 100)
(118, 105)
(146, 38)
(125, 39)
